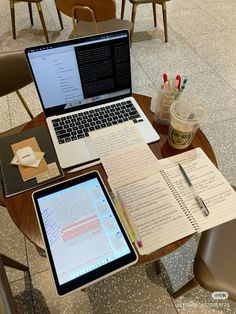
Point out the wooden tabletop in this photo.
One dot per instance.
(20, 206)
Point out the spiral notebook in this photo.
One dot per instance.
(10, 175)
(163, 207)
(155, 194)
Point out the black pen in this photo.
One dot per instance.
(198, 199)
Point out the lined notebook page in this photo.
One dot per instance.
(209, 183)
(155, 212)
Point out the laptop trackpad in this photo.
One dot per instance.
(76, 152)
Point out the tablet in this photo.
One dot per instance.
(84, 238)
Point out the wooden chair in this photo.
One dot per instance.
(14, 74)
(91, 17)
(39, 7)
(135, 3)
(7, 303)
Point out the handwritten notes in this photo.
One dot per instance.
(155, 194)
(210, 185)
(116, 138)
(124, 154)
(153, 209)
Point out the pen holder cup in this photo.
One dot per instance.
(165, 97)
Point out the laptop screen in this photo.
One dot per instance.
(82, 72)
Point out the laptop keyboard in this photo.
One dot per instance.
(78, 125)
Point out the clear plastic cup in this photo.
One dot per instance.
(165, 97)
(164, 101)
(185, 115)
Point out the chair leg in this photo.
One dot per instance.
(122, 9)
(42, 21)
(30, 13)
(187, 287)
(75, 29)
(60, 18)
(165, 20)
(24, 104)
(154, 14)
(133, 15)
(8, 303)
(13, 19)
(7, 261)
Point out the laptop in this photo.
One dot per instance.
(84, 84)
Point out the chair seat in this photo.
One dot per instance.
(88, 28)
(214, 265)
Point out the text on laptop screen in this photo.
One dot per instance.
(80, 223)
(81, 71)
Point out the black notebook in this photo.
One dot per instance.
(10, 176)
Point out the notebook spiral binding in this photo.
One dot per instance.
(2, 179)
(180, 201)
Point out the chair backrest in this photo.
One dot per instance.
(214, 264)
(14, 72)
(103, 9)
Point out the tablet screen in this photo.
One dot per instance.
(82, 232)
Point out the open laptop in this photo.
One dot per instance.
(85, 84)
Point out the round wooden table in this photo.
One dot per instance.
(20, 206)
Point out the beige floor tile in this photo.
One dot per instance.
(37, 262)
(174, 57)
(12, 244)
(217, 49)
(5, 120)
(228, 74)
(46, 299)
(215, 94)
(199, 301)
(194, 22)
(222, 138)
(17, 110)
(115, 294)
(21, 290)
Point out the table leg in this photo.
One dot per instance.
(41, 251)
(157, 266)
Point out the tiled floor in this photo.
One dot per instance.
(202, 45)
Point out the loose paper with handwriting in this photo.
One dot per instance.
(124, 154)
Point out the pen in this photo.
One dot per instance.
(185, 80)
(180, 91)
(85, 166)
(178, 81)
(197, 199)
(165, 77)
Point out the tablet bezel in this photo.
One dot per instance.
(101, 272)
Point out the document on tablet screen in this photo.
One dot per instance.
(82, 231)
